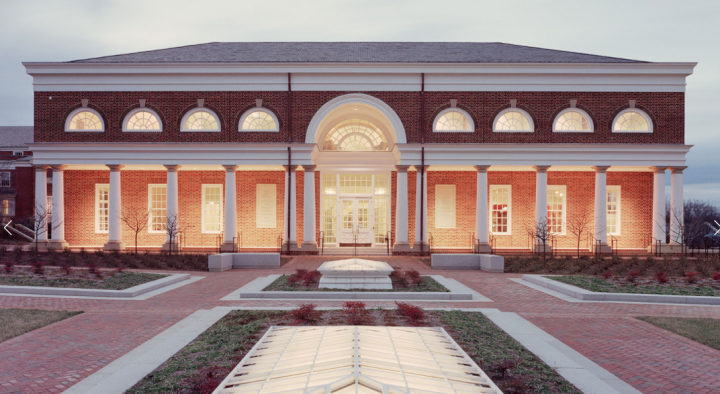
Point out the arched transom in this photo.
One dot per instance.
(355, 135)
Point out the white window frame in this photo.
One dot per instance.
(204, 109)
(257, 109)
(509, 210)
(98, 187)
(202, 208)
(513, 109)
(619, 202)
(7, 174)
(563, 190)
(150, 210)
(581, 112)
(77, 111)
(454, 109)
(133, 112)
(641, 112)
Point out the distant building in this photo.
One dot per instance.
(17, 179)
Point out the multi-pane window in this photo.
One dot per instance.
(381, 218)
(84, 120)
(157, 208)
(363, 214)
(513, 120)
(355, 135)
(500, 209)
(200, 120)
(355, 183)
(613, 210)
(347, 215)
(102, 208)
(6, 207)
(212, 208)
(142, 120)
(632, 121)
(4, 179)
(329, 218)
(453, 121)
(572, 121)
(259, 120)
(556, 209)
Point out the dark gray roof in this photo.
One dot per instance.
(16, 136)
(355, 52)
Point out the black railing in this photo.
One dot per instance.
(431, 242)
(650, 240)
(388, 242)
(280, 243)
(493, 242)
(356, 234)
(321, 242)
(614, 242)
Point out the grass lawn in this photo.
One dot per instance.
(703, 330)
(603, 286)
(204, 363)
(429, 285)
(121, 281)
(14, 322)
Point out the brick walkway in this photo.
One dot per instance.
(652, 360)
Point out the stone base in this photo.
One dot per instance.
(417, 245)
(458, 261)
(294, 247)
(225, 261)
(483, 248)
(58, 245)
(42, 246)
(114, 245)
(539, 248)
(228, 247)
(166, 247)
(309, 247)
(665, 249)
(402, 247)
(602, 249)
(356, 283)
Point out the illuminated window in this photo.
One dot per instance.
(212, 210)
(142, 119)
(356, 184)
(329, 226)
(4, 179)
(84, 119)
(200, 119)
(8, 206)
(500, 199)
(573, 120)
(513, 120)
(157, 204)
(102, 208)
(632, 121)
(355, 135)
(613, 210)
(382, 207)
(556, 209)
(258, 120)
(453, 120)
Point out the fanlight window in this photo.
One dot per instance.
(259, 120)
(85, 120)
(573, 120)
(632, 121)
(513, 120)
(201, 120)
(142, 120)
(355, 135)
(453, 121)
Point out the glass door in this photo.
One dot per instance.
(355, 218)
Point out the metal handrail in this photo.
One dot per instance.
(431, 242)
(658, 243)
(472, 240)
(553, 244)
(614, 242)
(321, 242)
(388, 242)
(356, 234)
(280, 242)
(240, 238)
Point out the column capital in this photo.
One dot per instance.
(402, 168)
(482, 169)
(541, 169)
(309, 167)
(114, 167)
(677, 170)
(41, 167)
(172, 167)
(291, 168)
(658, 170)
(230, 167)
(58, 167)
(600, 169)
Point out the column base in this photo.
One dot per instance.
(114, 245)
(166, 247)
(58, 244)
(309, 247)
(402, 247)
(539, 248)
(293, 246)
(416, 247)
(42, 246)
(665, 249)
(601, 249)
(228, 247)
(485, 248)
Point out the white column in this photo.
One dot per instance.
(418, 208)
(309, 236)
(401, 211)
(541, 194)
(292, 237)
(172, 206)
(115, 210)
(41, 208)
(425, 210)
(58, 210)
(677, 206)
(600, 216)
(230, 226)
(481, 210)
(658, 218)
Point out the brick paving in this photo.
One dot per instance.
(50, 359)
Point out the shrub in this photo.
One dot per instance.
(716, 276)
(306, 313)
(92, 268)
(401, 280)
(691, 276)
(311, 277)
(65, 267)
(120, 268)
(9, 265)
(355, 312)
(661, 277)
(412, 273)
(607, 275)
(208, 380)
(632, 276)
(38, 267)
(413, 313)
(418, 281)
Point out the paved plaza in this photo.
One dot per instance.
(53, 358)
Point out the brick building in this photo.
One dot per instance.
(16, 173)
(456, 145)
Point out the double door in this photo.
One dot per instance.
(355, 216)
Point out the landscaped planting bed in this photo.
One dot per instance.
(204, 363)
(74, 278)
(645, 285)
(703, 330)
(402, 281)
(15, 322)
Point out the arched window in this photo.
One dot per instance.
(632, 121)
(573, 120)
(355, 135)
(513, 120)
(258, 120)
(200, 119)
(84, 119)
(453, 120)
(142, 119)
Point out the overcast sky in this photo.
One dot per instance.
(664, 31)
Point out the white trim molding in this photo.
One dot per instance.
(258, 109)
(133, 112)
(200, 109)
(466, 115)
(640, 112)
(591, 124)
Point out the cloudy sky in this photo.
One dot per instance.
(656, 30)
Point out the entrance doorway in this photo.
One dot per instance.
(355, 218)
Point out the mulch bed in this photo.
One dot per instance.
(644, 285)
(76, 278)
